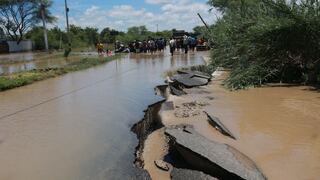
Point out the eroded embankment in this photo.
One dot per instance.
(150, 122)
(166, 145)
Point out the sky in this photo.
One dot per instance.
(121, 14)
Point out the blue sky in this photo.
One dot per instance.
(121, 14)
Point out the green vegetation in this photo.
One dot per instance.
(141, 33)
(54, 37)
(18, 17)
(23, 78)
(88, 37)
(80, 37)
(267, 41)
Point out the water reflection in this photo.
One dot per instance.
(12, 63)
(18, 57)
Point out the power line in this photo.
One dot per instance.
(63, 95)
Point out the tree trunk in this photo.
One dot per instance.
(44, 29)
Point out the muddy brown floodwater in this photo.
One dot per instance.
(77, 126)
(278, 127)
(17, 62)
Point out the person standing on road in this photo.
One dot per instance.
(186, 44)
(100, 47)
(172, 44)
(192, 43)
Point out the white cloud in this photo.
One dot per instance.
(125, 11)
(91, 10)
(158, 1)
(179, 14)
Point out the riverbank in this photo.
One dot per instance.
(276, 127)
(19, 79)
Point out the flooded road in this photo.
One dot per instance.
(17, 62)
(77, 126)
(278, 127)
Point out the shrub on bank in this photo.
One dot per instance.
(267, 41)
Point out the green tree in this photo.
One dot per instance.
(109, 35)
(43, 14)
(83, 37)
(17, 17)
(139, 32)
(56, 38)
(92, 35)
(201, 31)
(167, 34)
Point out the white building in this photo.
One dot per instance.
(23, 46)
(13, 46)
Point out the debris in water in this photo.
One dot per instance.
(215, 122)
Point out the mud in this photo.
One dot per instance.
(216, 123)
(146, 126)
(277, 126)
(189, 109)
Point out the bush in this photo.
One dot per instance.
(267, 41)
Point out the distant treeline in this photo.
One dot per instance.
(89, 37)
(265, 41)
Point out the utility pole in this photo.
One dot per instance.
(157, 27)
(60, 43)
(204, 22)
(209, 30)
(44, 26)
(68, 50)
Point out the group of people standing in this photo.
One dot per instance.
(185, 43)
(148, 46)
(152, 45)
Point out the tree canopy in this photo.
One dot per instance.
(109, 35)
(18, 16)
(45, 5)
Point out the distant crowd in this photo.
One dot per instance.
(152, 45)
(148, 46)
(185, 43)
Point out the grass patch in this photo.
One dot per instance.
(14, 80)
